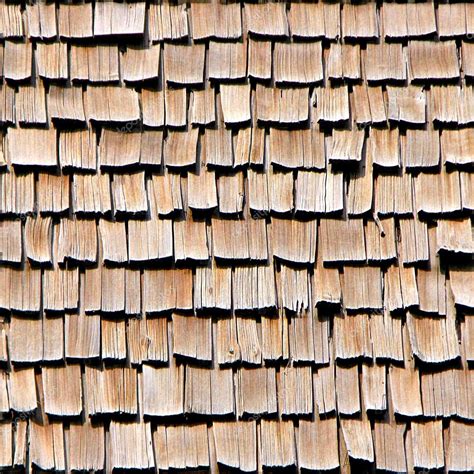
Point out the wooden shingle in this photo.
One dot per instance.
(119, 18)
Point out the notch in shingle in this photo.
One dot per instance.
(358, 438)
(454, 236)
(192, 337)
(462, 285)
(433, 339)
(293, 288)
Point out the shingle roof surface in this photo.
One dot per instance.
(236, 236)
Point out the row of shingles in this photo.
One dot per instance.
(433, 341)
(293, 63)
(414, 148)
(286, 150)
(375, 242)
(225, 21)
(18, 58)
(234, 445)
(434, 387)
